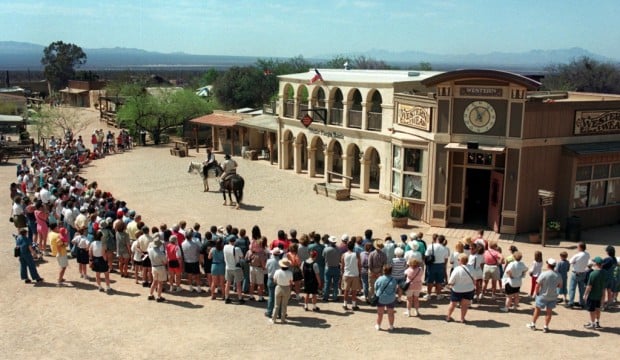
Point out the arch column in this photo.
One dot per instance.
(296, 108)
(328, 107)
(346, 170)
(364, 174)
(345, 113)
(297, 159)
(311, 161)
(284, 148)
(329, 162)
(364, 116)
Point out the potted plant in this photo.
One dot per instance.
(400, 213)
(552, 229)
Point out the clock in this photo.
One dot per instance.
(479, 116)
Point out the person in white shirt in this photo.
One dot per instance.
(283, 279)
(158, 260)
(462, 288)
(351, 267)
(436, 269)
(234, 274)
(579, 266)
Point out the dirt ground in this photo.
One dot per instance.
(76, 321)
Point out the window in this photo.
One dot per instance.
(408, 172)
(597, 185)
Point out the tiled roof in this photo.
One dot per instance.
(217, 120)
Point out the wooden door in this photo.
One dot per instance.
(496, 193)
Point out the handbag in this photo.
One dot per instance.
(430, 260)
(17, 251)
(374, 299)
(405, 285)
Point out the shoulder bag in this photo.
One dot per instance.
(430, 260)
(374, 299)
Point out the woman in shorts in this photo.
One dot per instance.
(474, 263)
(414, 276)
(462, 287)
(512, 280)
(385, 288)
(293, 257)
(98, 262)
(173, 254)
(82, 243)
(123, 249)
(218, 268)
(137, 258)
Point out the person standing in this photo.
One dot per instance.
(512, 280)
(386, 292)
(376, 261)
(351, 268)
(234, 274)
(579, 263)
(174, 257)
(546, 294)
(158, 264)
(191, 262)
(81, 242)
(26, 260)
(331, 254)
(283, 280)
(257, 258)
(437, 267)
(608, 268)
(594, 293)
(99, 263)
(273, 264)
(311, 280)
(59, 250)
(463, 287)
(320, 260)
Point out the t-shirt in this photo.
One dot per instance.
(517, 271)
(549, 281)
(232, 254)
(283, 277)
(157, 256)
(440, 251)
(332, 256)
(56, 245)
(597, 281)
(414, 277)
(350, 264)
(97, 248)
(191, 251)
(461, 281)
(579, 261)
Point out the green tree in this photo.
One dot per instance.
(60, 61)
(584, 75)
(425, 65)
(337, 62)
(57, 120)
(243, 87)
(156, 114)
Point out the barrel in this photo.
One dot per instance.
(573, 228)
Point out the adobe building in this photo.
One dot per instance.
(462, 147)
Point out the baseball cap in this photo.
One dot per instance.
(598, 260)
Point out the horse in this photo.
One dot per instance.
(233, 184)
(215, 171)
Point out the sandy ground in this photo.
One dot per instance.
(76, 321)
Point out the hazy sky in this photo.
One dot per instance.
(317, 27)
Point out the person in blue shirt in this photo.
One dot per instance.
(385, 288)
(26, 262)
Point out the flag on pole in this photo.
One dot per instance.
(267, 72)
(316, 77)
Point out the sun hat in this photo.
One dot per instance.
(344, 237)
(332, 239)
(284, 263)
(551, 261)
(276, 251)
(157, 242)
(378, 243)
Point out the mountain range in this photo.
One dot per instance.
(22, 56)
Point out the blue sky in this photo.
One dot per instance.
(317, 27)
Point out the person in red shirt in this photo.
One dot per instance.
(282, 242)
(176, 232)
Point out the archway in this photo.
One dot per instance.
(318, 163)
(287, 150)
(353, 163)
(336, 150)
(301, 153)
(371, 155)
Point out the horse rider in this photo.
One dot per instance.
(229, 166)
(209, 161)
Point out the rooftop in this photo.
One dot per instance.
(365, 76)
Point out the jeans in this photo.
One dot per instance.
(26, 262)
(271, 286)
(332, 279)
(32, 230)
(365, 284)
(576, 280)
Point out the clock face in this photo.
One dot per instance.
(479, 116)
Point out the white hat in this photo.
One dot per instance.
(332, 239)
(345, 237)
(551, 261)
(276, 251)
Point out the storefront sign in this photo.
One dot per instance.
(331, 134)
(414, 116)
(597, 122)
(481, 91)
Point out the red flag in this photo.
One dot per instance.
(316, 77)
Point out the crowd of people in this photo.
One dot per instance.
(58, 213)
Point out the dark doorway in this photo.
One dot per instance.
(477, 185)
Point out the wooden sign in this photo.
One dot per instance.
(597, 122)
(414, 116)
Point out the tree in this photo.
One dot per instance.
(585, 75)
(57, 120)
(425, 66)
(363, 62)
(243, 87)
(60, 61)
(156, 114)
(337, 62)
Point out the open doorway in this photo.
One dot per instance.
(477, 185)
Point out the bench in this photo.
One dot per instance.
(335, 191)
(181, 149)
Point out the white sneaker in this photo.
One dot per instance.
(391, 328)
(426, 297)
(407, 314)
(531, 325)
(503, 309)
(377, 327)
(416, 313)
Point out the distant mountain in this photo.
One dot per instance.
(21, 56)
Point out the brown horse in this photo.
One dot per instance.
(233, 184)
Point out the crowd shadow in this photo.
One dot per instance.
(304, 321)
(610, 330)
(250, 207)
(575, 333)
(410, 331)
(488, 324)
(116, 292)
(183, 304)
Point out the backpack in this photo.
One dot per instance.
(308, 271)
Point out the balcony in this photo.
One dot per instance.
(355, 119)
(302, 111)
(270, 108)
(289, 109)
(374, 121)
(335, 117)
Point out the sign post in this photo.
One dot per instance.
(545, 199)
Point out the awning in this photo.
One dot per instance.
(261, 122)
(485, 148)
(594, 148)
(217, 120)
(73, 91)
(9, 120)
